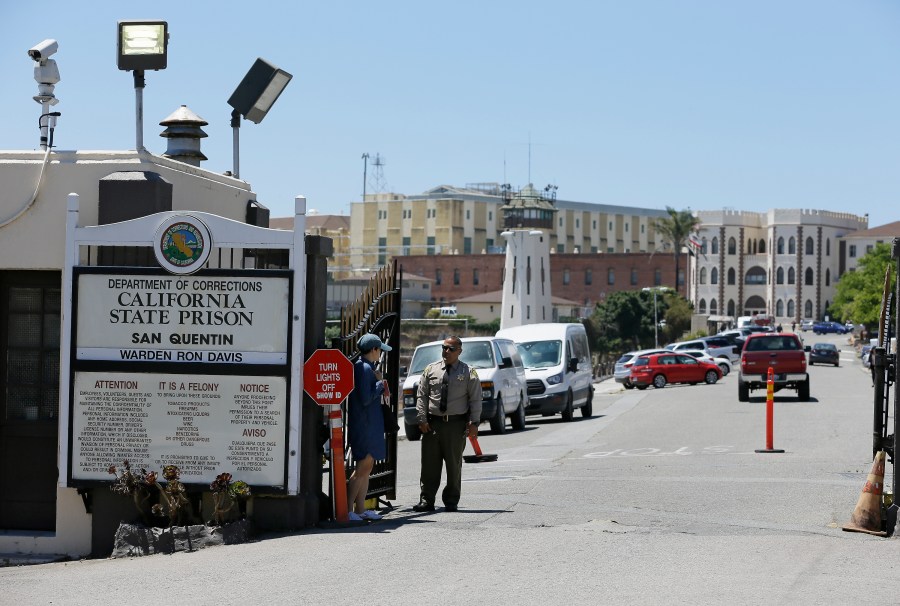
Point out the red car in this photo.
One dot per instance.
(659, 369)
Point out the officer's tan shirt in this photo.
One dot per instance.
(463, 392)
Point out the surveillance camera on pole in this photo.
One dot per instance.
(46, 74)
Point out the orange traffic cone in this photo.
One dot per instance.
(867, 515)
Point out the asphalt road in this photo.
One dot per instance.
(657, 499)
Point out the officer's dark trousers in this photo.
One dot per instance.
(443, 446)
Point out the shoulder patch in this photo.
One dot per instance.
(473, 374)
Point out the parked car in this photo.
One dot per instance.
(661, 369)
(821, 328)
(503, 384)
(723, 362)
(784, 353)
(622, 371)
(558, 368)
(806, 325)
(824, 353)
(714, 346)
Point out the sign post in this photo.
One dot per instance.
(328, 379)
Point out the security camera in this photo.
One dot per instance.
(43, 50)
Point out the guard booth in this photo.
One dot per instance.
(194, 361)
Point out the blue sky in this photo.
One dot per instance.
(701, 104)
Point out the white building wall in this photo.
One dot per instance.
(526, 292)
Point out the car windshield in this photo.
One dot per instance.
(825, 347)
(624, 358)
(476, 355)
(770, 343)
(540, 354)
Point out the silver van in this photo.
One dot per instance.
(558, 367)
(499, 366)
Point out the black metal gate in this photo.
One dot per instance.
(377, 310)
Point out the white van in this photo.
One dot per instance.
(498, 365)
(557, 366)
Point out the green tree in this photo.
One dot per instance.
(622, 321)
(859, 292)
(674, 231)
(677, 315)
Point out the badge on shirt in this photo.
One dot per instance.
(459, 377)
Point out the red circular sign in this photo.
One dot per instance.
(328, 376)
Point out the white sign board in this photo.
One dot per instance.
(204, 424)
(165, 318)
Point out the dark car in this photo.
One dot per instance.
(821, 328)
(824, 353)
(659, 369)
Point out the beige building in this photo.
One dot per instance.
(468, 220)
(859, 243)
(783, 262)
(486, 307)
(336, 227)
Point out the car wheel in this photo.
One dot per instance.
(568, 412)
(641, 387)
(628, 385)
(711, 377)
(498, 422)
(659, 381)
(518, 417)
(743, 392)
(724, 369)
(588, 409)
(803, 391)
(412, 432)
(837, 364)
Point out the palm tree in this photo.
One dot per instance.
(674, 230)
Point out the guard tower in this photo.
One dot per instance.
(528, 218)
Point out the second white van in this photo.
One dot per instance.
(558, 368)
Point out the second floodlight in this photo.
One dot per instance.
(258, 91)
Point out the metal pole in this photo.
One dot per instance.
(365, 158)
(236, 143)
(139, 108)
(655, 322)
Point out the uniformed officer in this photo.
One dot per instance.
(448, 408)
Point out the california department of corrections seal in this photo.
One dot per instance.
(182, 244)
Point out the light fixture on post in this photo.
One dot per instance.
(253, 98)
(141, 45)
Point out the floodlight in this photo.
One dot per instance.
(253, 98)
(142, 45)
(258, 91)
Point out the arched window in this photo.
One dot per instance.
(827, 277)
(731, 275)
(780, 250)
(779, 308)
(715, 246)
(810, 246)
(732, 246)
(792, 246)
(807, 309)
(702, 276)
(808, 276)
(792, 275)
(779, 276)
(714, 276)
(730, 307)
(762, 246)
(701, 308)
(790, 312)
(703, 246)
(750, 250)
(755, 275)
(828, 247)
(713, 307)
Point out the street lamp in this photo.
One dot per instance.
(141, 45)
(654, 290)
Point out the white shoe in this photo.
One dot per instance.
(354, 517)
(370, 515)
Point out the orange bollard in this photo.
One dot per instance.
(770, 413)
(338, 473)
